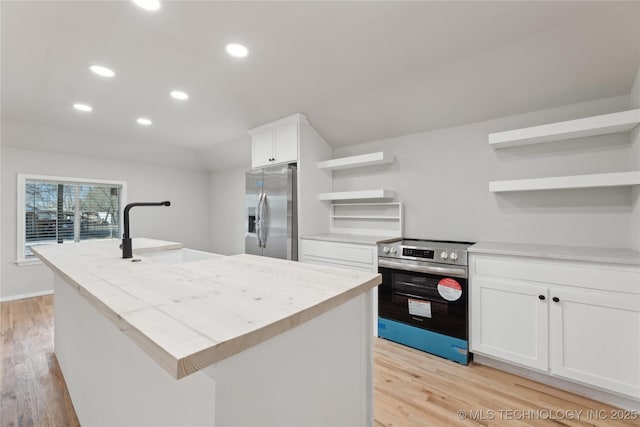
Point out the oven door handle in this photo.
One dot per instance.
(448, 271)
(411, 296)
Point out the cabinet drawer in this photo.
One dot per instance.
(335, 263)
(608, 277)
(339, 251)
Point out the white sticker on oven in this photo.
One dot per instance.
(419, 308)
(449, 289)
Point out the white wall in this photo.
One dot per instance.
(635, 147)
(227, 155)
(442, 177)
(226, 193)
(187, 220)
(39, 137)
(313, 214)
(2, 205)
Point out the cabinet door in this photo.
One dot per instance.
(509, 321)
(595, 338)
(262, 149)
(285, 143)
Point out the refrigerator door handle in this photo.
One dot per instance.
(262, 208)
(259, 220)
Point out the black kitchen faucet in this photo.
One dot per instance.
(127, 249)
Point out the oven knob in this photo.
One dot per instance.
(444, 255)
(385, 249)
(393, 250)
(453, 256)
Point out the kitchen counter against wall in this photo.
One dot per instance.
(557, 252)
(357, 239)
(234, 330)
(568, 309)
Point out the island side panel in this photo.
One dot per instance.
(317, 374)
(113, 382)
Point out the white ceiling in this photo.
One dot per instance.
(360, 71)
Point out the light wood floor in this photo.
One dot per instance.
(33, 392)
(412, 388)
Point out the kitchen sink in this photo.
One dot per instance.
(178, 256)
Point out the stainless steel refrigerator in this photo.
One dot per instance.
(271, 227)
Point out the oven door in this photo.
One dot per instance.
(432, 301)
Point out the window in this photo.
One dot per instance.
(55, 210)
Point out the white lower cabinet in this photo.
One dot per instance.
(582, 334)
(360, 257)
(346, 255)
(594, 338)
(510, 321)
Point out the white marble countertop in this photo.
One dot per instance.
(572, 253)
(352, 238)
(190, 315)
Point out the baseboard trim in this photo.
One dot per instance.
(583, 390)
(29, 295)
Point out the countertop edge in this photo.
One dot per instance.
(626, 256)
(355, 239)
(220, 351)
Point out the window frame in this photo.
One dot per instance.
(21, 259)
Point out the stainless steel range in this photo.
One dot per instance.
(422, 301)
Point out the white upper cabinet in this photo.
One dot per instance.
(261, 149)
(285, 144)
(275, 143)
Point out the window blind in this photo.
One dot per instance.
(56, 212)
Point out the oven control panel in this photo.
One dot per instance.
(418, 253)
(445, 254)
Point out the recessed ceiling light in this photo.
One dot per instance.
(144, 121)
(237, 50)
(178, 94)
(83, 107)
(102, 71)
(151, 5)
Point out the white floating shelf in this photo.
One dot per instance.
(358, 195)
(591, 126)
(617, 179)
(369, 159)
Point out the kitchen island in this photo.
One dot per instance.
(180, 337)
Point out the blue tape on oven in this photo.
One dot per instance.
(445, 346)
